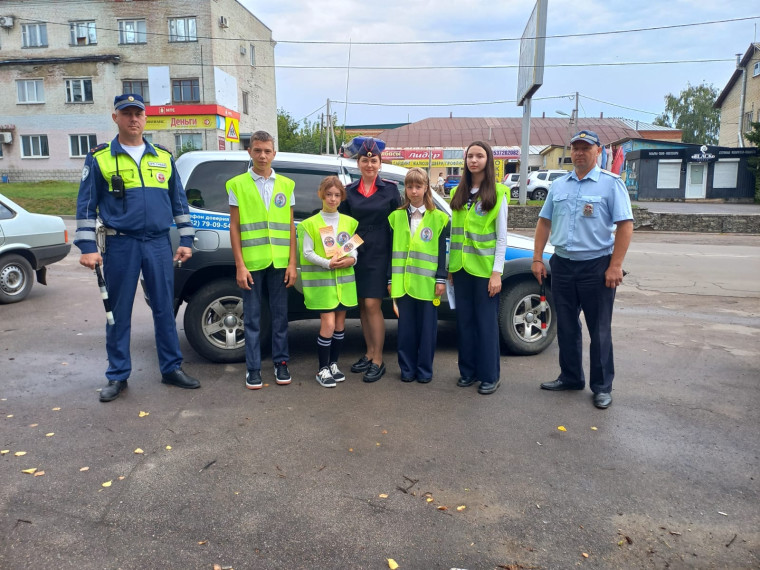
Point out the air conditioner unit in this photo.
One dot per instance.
(242, 50)
(6, 21)
(6, 138)
(223, 22)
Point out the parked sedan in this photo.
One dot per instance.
(452, 181)
(28, 244)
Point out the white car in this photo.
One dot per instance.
(540, 181)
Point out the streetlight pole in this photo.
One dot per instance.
(572, 116)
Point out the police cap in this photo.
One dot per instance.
(128, 100)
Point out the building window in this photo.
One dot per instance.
(82, 33)
(726, 173)
(79, 90)
(184, 142)
(253, 55)
(34, 35)
(34, 146)
(186, 91)
(137, 86)
(756, 69)
(80, 145)
(182, 30)
(30, 91)
(132, 32)
(748, 122)
(245, 102)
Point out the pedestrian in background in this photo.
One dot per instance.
(476, 262)
(263, 241)
(588, 217)
(134, 188)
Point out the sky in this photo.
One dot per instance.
(607, 55)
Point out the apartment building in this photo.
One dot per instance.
(204, 67)
(739, 102)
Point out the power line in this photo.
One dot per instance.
(616, 105)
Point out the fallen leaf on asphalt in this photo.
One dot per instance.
(383, 495)
(56, 409)
(30, 471)
(593, 428)
(168, 447)
(64, 363)
(377, 444)
(675, 533)
(143, 414)
(106, 484)
(442, 508)
(9, 416)
(351, 449)
(39, 474)
(584, 555)
(33, 425)
(121, 477)
(202, 542)
(562, 428)
(19, 453)
(266, 385)
(84, 468)
(429, 499)
(51, 434)
(392, 564)
(461, 507)
(384, 431)
(139, 451)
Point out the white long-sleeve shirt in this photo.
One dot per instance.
(501, 234)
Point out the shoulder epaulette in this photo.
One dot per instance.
(98, 148)
(610, 173)
(156, 145)
(389, 181)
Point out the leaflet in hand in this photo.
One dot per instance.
(350, 245)
(329, 241)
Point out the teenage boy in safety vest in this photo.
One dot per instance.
(263, 240)
(417, 275)
(329, 285)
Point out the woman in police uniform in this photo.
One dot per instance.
(370, 200)
(476, 262)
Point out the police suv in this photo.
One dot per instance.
(213, 319)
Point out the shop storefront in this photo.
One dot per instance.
(450, 160)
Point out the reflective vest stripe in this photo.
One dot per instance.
(253, 227)
(399, 255)
(281, 227)
(481, 237)
(421, 271)
(484, 252)
(424, 256)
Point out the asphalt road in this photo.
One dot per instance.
(305, 477)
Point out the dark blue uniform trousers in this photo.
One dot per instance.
(123, 260)
(576, 286)
(274, 281)
(417, 333)
(477, 327)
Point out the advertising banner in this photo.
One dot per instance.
(179, 122)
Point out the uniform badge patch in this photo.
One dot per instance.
(426, 234)
(85, 173)
(161, 177)
(343, 238)
(479, 209)
(588, 209)
(279, 200)
(329, 241)
(157, 164)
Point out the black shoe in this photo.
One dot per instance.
(424, 380)
(112, 390)
(179, 378)
(253, 380)
(374, 372)
(407, 378)
(488, 387)
(603, 400)
(361, 365)
(465, 381)
(281, 373)
(558, 385)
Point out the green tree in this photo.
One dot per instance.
(693, 113)
(753, 163)
(292, 137)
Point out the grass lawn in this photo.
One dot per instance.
(49, 197)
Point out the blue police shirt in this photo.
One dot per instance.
(583, 213)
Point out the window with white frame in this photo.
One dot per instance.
(186, 91)
(34, 35)
(726, 173)
(132, 32)
(79, 90)
(669, 173)
(30, 91)
(253, 55)
(184, 142)
(182, 30)
(34, 146)
(756, 69)
(137, 86)
(82, 33)
(80, 145)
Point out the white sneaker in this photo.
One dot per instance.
(325, 378)
(337, 375)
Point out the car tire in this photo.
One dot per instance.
(539, 194)
(520, 318)
(515, 193)
(214, 322)
(16, 278)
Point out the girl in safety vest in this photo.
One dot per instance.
(476, 262)
(417, 275)
(328, 280)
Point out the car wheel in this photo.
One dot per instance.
(520, 318)
(515, 193)
(16, 278)
(214, 322)
(539, 194)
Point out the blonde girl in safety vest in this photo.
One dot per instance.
(476, 262)
(329, 285)
(417, 276)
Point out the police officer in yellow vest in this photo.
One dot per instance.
(417, 275)
(263, 240)
(134, 188)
